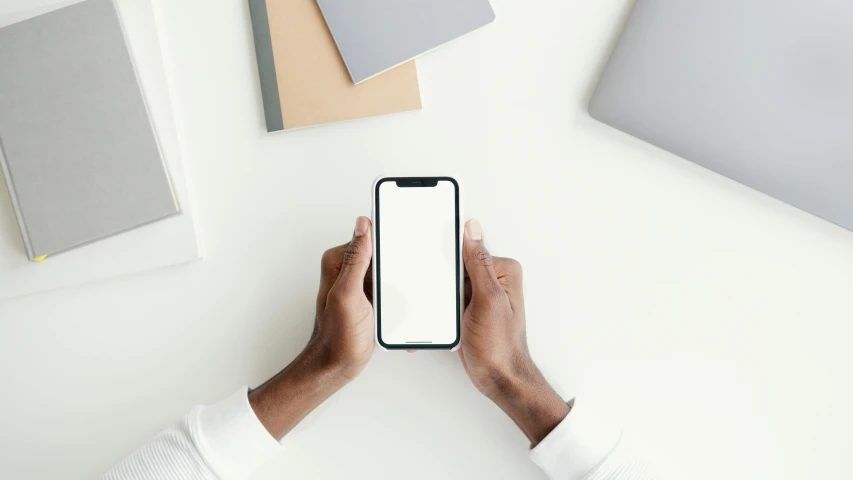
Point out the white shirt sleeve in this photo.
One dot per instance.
(221, 442)
(586, 446)
(227, 441)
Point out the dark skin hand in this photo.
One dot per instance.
(340, 346)
(493, 348)
(494, 341)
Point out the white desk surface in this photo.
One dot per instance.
(714, 320)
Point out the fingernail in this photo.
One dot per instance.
(361, 226)
(475, 231)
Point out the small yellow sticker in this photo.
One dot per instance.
(38, 259)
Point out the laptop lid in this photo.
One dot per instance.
(760, 91)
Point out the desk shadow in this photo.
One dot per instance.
(10, 232)
(595, 79)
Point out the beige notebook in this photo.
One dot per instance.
(304, 81)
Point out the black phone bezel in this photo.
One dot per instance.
(417, 182)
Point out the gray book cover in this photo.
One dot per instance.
(77, 146)
(376, 35)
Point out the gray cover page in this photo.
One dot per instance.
(376, 35)
(77, 145)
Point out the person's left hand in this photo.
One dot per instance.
(344, 327)
(340, 346)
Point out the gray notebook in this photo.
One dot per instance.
(77, 146)
(376, 35)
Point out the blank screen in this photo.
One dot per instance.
(417, 264)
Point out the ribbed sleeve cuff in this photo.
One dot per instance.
(580, 443)
(231, 439)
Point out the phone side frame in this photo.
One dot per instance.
(460, 228)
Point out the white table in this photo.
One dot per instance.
(714, 320)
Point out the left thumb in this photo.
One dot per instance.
(357, 257)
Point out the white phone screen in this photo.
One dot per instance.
(417, 255)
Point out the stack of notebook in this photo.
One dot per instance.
(82, 161)
(88, 148)
(323, 61)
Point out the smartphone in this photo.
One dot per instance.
(417, 262)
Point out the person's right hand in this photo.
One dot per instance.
(494, 341)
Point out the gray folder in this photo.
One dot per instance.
(376, 35)
(77, 146)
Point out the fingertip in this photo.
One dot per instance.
(474, 230)
(362, 226)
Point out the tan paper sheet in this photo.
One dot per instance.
(314, 86)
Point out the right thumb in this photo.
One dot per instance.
(478, 260)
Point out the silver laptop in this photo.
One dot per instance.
(760, 91)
